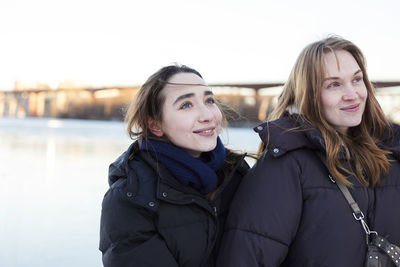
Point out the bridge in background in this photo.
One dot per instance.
(251, 101)
(257, 86)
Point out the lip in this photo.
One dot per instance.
(209, 131)
(351, 108)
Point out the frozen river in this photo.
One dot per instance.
(53, 175)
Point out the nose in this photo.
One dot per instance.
(205, 114)
(350, 93)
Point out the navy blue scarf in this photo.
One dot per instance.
(196, 172)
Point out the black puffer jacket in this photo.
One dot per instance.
(288, 212)
(150, 219)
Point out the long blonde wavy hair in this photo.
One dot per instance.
(303, 92)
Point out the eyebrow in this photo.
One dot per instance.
(191, 95)
(337, 78)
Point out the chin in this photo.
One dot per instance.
(355, 124)
(210, 147)
(351, 122)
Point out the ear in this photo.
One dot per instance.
(155, 127)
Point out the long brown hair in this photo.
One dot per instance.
(303, 92)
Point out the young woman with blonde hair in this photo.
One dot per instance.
(327, 127)
(170, 191)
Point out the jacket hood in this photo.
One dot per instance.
(119, 168)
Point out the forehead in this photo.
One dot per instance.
(186, 78)
(340, 62)
(182, 83)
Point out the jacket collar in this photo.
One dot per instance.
(287, 134)
(120, 168)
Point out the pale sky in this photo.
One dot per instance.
(122, 42)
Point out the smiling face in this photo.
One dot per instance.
(190, 118)
(343, 93)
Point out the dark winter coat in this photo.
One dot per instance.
(288, 212)
(150, 219)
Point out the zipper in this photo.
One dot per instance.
(213, 237)
(215, 211)
(214, 206)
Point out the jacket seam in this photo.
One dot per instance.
(181, 225)
(320, 187)
(258, 234)
(388, 185)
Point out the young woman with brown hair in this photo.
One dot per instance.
(327, 127)
(171, 190)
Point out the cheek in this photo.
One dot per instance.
(325, 103)
(218, 115)
(364, 93)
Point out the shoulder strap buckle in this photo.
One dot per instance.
(359, 215)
